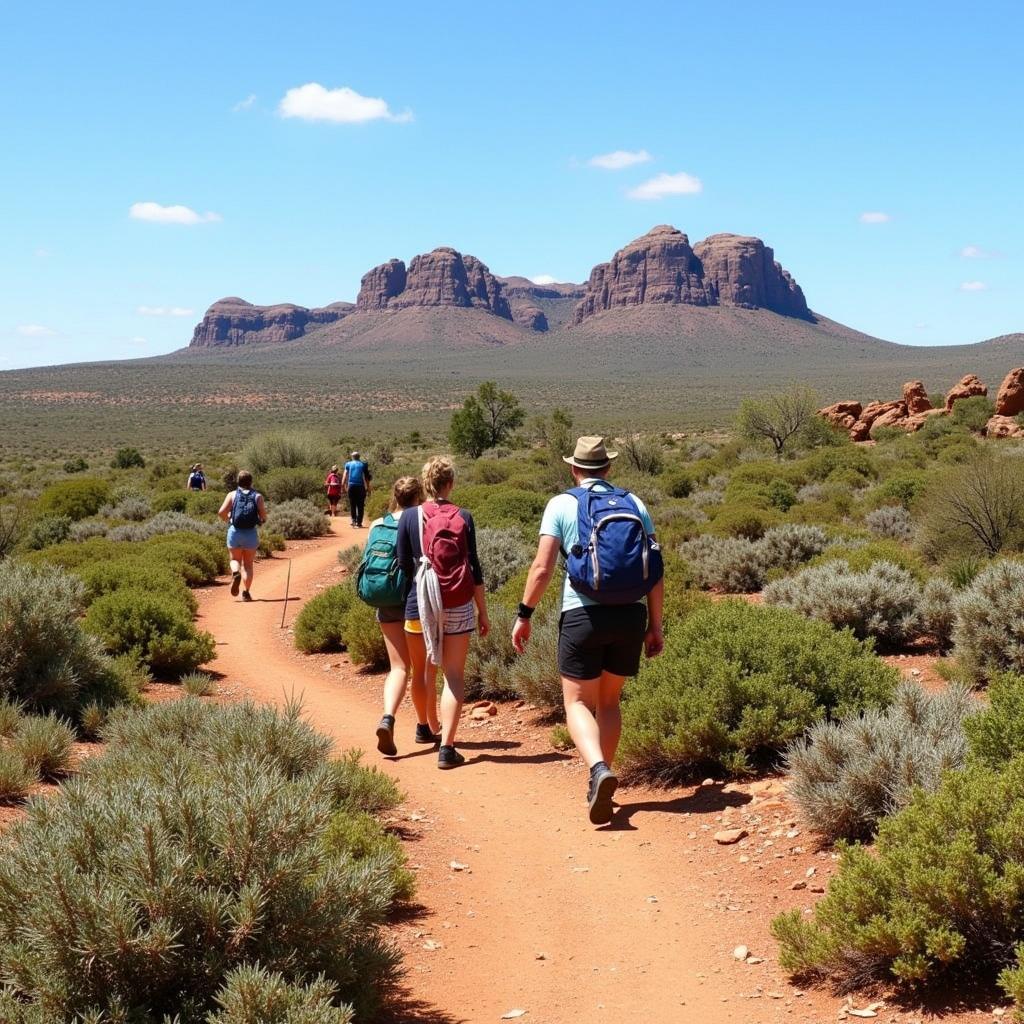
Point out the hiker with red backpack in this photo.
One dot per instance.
(332, 485)
(381, 583)
(243, 510)
(612, 566)
(446, 603)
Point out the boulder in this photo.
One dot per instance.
(915, 397)
(969, 387)
(1010, 398)
(1003, 426)
(891, 415)
(233, 321)
(842, 414)
(527, 315)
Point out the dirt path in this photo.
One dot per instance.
(570, 923)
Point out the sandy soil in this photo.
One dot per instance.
(523, 904)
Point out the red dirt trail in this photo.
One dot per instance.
(634, 921)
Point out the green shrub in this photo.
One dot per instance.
(859, 557)
(45, 743)
(677, 483)
(128, 458)
(363, 638)
(502, 553)
(164, 524)
(152, 628)
(990, 622)
(973, 413)
(297, 519)
(16, 778)
(128, 573)
(288, 483)
(269, 543)
(76, 499)
(737, 683)
(197, 560)
(76, 465)
(350, 557)
(11, 715)
(358, 836)
(742, 521)
(318, 627)
(172, 501)
(194, 847)
(902, 488)
(47, 662)
(846, 776)
(286, 449)
(509, 507)
(92, 719)
(197, 684)
(938, 899)
(254, 995)
(782, 495)
(46, 531)
(996, 734)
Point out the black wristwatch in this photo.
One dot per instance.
(525, 612)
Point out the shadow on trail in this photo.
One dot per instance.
(706, 800)
(484, 746)
(404, 1008)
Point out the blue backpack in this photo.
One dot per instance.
(615, 560)
(245, 512)
(380, 583)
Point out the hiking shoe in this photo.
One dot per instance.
(236, 582)
(449, 757)
(424, 734)
(246, 596)
(386, 737)
(599, 796)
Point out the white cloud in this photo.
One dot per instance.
(620, 159)
(921, 327)
(974, 286)
(976, 252)
(35, 331)
(245, 104)
(138, 341)
(312, 102)
(163, 311)
(544, 279)
(663, 185)
(159, 214)
(875, 217)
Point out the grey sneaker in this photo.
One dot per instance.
(424, 734)
(599, 796)
(386, 737)
(236, 582)
(449, 757)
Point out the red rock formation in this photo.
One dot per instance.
(1010, 399)
(842, 414)
(969, 387)
(233, 321)
(1003, 426)
(380, 285)
(915, 397)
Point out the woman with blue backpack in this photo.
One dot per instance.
(381, 583)
(244, 511)
(613, 565)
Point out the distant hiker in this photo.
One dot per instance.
(332, 484)
(437, 548)
(196, 478)
(382, 584)
(244, 510)
(356, 481)
(612, 563)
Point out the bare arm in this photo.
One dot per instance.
(225, 509)
(654, 641)
(537, 582)
(262, 509)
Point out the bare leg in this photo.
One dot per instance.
(609, 714)
(456, 649)
(236, 559)
(248, 557)
(581, 701)
(423, 683)
(398, 659)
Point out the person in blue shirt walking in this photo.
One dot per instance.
(355, 481)
(599, 641)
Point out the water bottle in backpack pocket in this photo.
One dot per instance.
(380, 582)
(245, 510)
(615, 560)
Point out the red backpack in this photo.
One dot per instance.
(444, 539)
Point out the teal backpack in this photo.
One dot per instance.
(379, 580)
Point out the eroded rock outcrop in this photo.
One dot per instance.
(969, 387)
(1003, 426)
(540, 307)
(661, 268)
(1010, 397)
(233, 321)
(443, 277)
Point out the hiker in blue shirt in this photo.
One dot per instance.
(356, 482)
(613, 563)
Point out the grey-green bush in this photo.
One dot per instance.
(502, 553)
(892, 522)
(17, 777)
(287, 449)
(298, 519)
(847, 775)
(133, 507)
(43, 532)
(989, 634)
(162, 524)
(45, 742)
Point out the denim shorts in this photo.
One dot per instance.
(247, 540)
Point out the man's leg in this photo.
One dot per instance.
(609, 714)
(581, 702)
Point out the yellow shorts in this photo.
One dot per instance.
(414, 626)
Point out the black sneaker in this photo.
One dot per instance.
(449, 757)
(236, 582)
(386, 737)
(246, 596)
(599, 796)
(424, 734)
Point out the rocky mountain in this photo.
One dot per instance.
(233, 321)
(541, 307)
(661, 268)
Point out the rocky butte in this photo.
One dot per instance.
(233, 321)
(661, 268)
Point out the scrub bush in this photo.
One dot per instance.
(508, 507)
(286, 449)
(76, 499)
(859, 556)
(732, 565)
(128, 458)
(197, 559)
(786, 547)
(846, 776)
(197, 684)
(45, 744)
(11, 715)
(76, 465)
(996, 734)
(152, 628)
(84, 529)
(318, 627)
(190, 855)
(737, 683)
(744, 521)
(973, 413)
(133, 507)
(163, 524)
(502, 553)
(286, 484)
(297, 519)
(362, 636)
(990, 622)
(16, 779)
(892, 522)
(254, 995)
(44, 532)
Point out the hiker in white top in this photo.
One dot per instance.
(602, 630)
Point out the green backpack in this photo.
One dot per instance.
(379, 580)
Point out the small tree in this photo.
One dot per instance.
(128, 458)
(779, 418)
(643, 454)
(485, 420)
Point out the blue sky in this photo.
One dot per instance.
(795, 119)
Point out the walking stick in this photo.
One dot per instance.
(287, 586)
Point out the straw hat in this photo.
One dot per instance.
(590, 453)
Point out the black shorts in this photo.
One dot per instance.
(601, 638)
